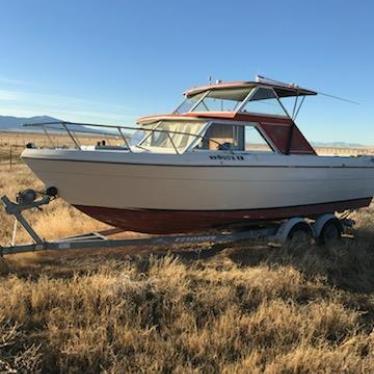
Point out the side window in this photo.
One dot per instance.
(223, 137)
(254, 141)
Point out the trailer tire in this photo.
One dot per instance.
(301, 232)
(331, 232)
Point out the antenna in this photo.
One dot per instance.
(262, 79)
(339, 98)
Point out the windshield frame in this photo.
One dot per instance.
(211, 95)
(194, 105)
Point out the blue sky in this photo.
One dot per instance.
(112, 61)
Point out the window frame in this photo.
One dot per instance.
(205, 128)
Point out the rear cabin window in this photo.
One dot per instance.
(254, 141)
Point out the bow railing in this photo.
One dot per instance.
(75, 130)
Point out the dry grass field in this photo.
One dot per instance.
(247, 309)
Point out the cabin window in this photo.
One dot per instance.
(171, 135)
(264, 101)
(254, 141)
(223, 137)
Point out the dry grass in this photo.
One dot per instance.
(248, 309)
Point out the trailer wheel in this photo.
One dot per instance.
(331, 232)
(300, 233)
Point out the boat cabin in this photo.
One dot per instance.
(256, 116)
(244, 116)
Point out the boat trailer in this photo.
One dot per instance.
(278, 232)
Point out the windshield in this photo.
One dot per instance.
(189, 103)
(171, 135)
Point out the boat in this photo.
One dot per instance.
(230, 155)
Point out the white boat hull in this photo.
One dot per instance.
(202, 186)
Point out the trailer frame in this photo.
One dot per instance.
(29, 199)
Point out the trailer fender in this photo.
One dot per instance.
(286, 227)
(320, 223)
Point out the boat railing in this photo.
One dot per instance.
(72, 129)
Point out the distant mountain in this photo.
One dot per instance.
(337, 145)
(8, 123)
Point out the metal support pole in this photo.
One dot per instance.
(48, 137)
(290, 133)
(71, 135)
(124, 139)
(298, 109)
(21, 219)
(14, 234)
(172, 142)
(15, 210)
